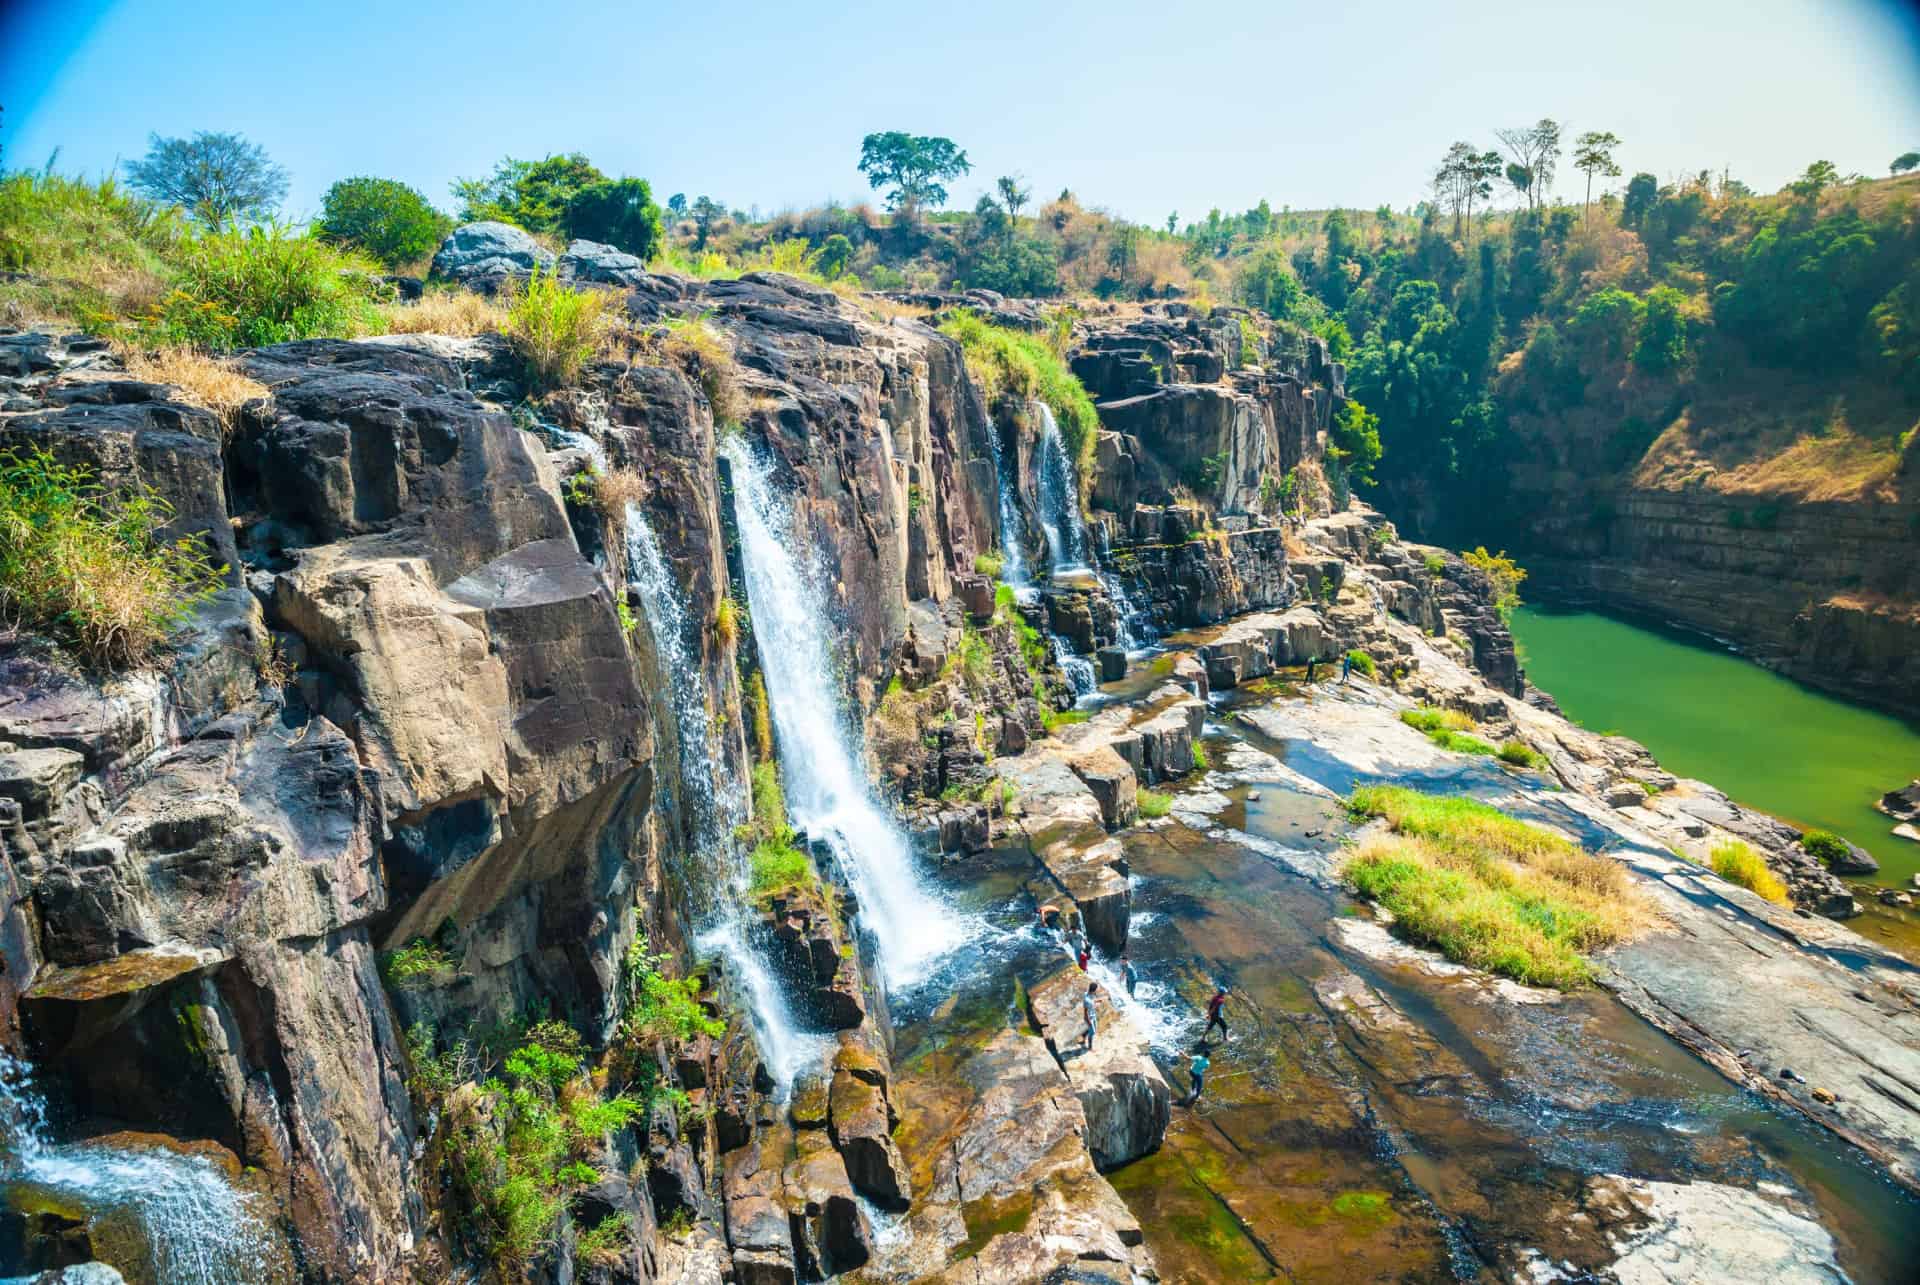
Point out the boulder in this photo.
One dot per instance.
(1111, 780)
(1126, 1099)
(860, 1120)
(483, 254)
(592, 262)
(1113, 664)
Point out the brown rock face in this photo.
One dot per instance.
(1126, 1099)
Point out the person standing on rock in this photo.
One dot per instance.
(1311, 662)
(1198, 1070)
(1088, 1006)
(1346, 668)
(1128, 974)
(1216, 1013)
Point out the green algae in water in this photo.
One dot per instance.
(1769, 742)
(1170, 1202)
(1368, 1209)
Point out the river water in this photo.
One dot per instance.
(1705, 712)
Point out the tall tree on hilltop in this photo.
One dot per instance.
(1593, 154)
(1534, 153)
(1464, 176)
(914, 169)
(1012, 195)
(216, 177)
(1905, 161)
(706, 212)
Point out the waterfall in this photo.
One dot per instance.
(1066, 530)
(827, 790)
(711, 795)
(197, 1229)
(1015, 570)
(1059, 498)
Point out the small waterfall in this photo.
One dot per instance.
(1059, 498)
(1014, 572)
(828, 792)
(594, 452)
(711, 795)
(197, 1229)
(1066, 530)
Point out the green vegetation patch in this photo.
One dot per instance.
(1152, 803)
(1489, 890)
(1825, 846)
(555, 330)
(1429, 719)
(1520, 754)
(1018, 364)
(1363, 663)
(776, 863)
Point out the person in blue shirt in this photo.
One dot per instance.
(1127, 972)
(1198, 1070)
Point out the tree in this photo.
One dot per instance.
(1904, 162)
(1817, 178)
(1173, 221)
(387, 219)
(1663, 332)
(1465, 175)
(1643, 193)
(914, 169)
(528, 194)
(1593, 154)
(1268, 283)
(1356, 441)
(836, 255)
(1012, 195)
(217, 178)
(1534, 151)
(619, 213)
(677, 205)
(706, 212)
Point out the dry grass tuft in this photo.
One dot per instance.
(197, 379)
(462, 313)
(614, 490)
(707, 358)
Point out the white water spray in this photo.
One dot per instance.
(198, 1230)
(711, 794)
(827, 791)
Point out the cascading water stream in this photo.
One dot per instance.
(711, 794)
(1067, 542)
(196, 1228)
(827, 791)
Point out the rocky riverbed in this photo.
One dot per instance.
(436, 771)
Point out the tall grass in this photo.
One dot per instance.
(245, 287)
(88, 566)
(707, 358)
(445, 312)
(1737, 863)
(556, 330)
(1492, 891)
(1015, 363)
(1429, 719)
(196, 378)
(94, 252)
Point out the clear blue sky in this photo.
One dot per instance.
(1140, 108)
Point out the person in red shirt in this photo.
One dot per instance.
(1216, 1014)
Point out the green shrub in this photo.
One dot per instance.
(1737, 863)
(1825, 846)
(246, 287)
(1459, 742)
(1014, 363)
(1363, 662)
(416, 966)
(989, 565)
(775, 864)
(603, 1244)
(1520, 754)
(661, 1006)
(1429, 719)
(1505, 573)
(383, 218)
(1152, 803)
(88, 566)
(975, 659)
(555, 329)
(1435, 564)
(617, 212)
(1200, 763)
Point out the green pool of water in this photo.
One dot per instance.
(1769, 742)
